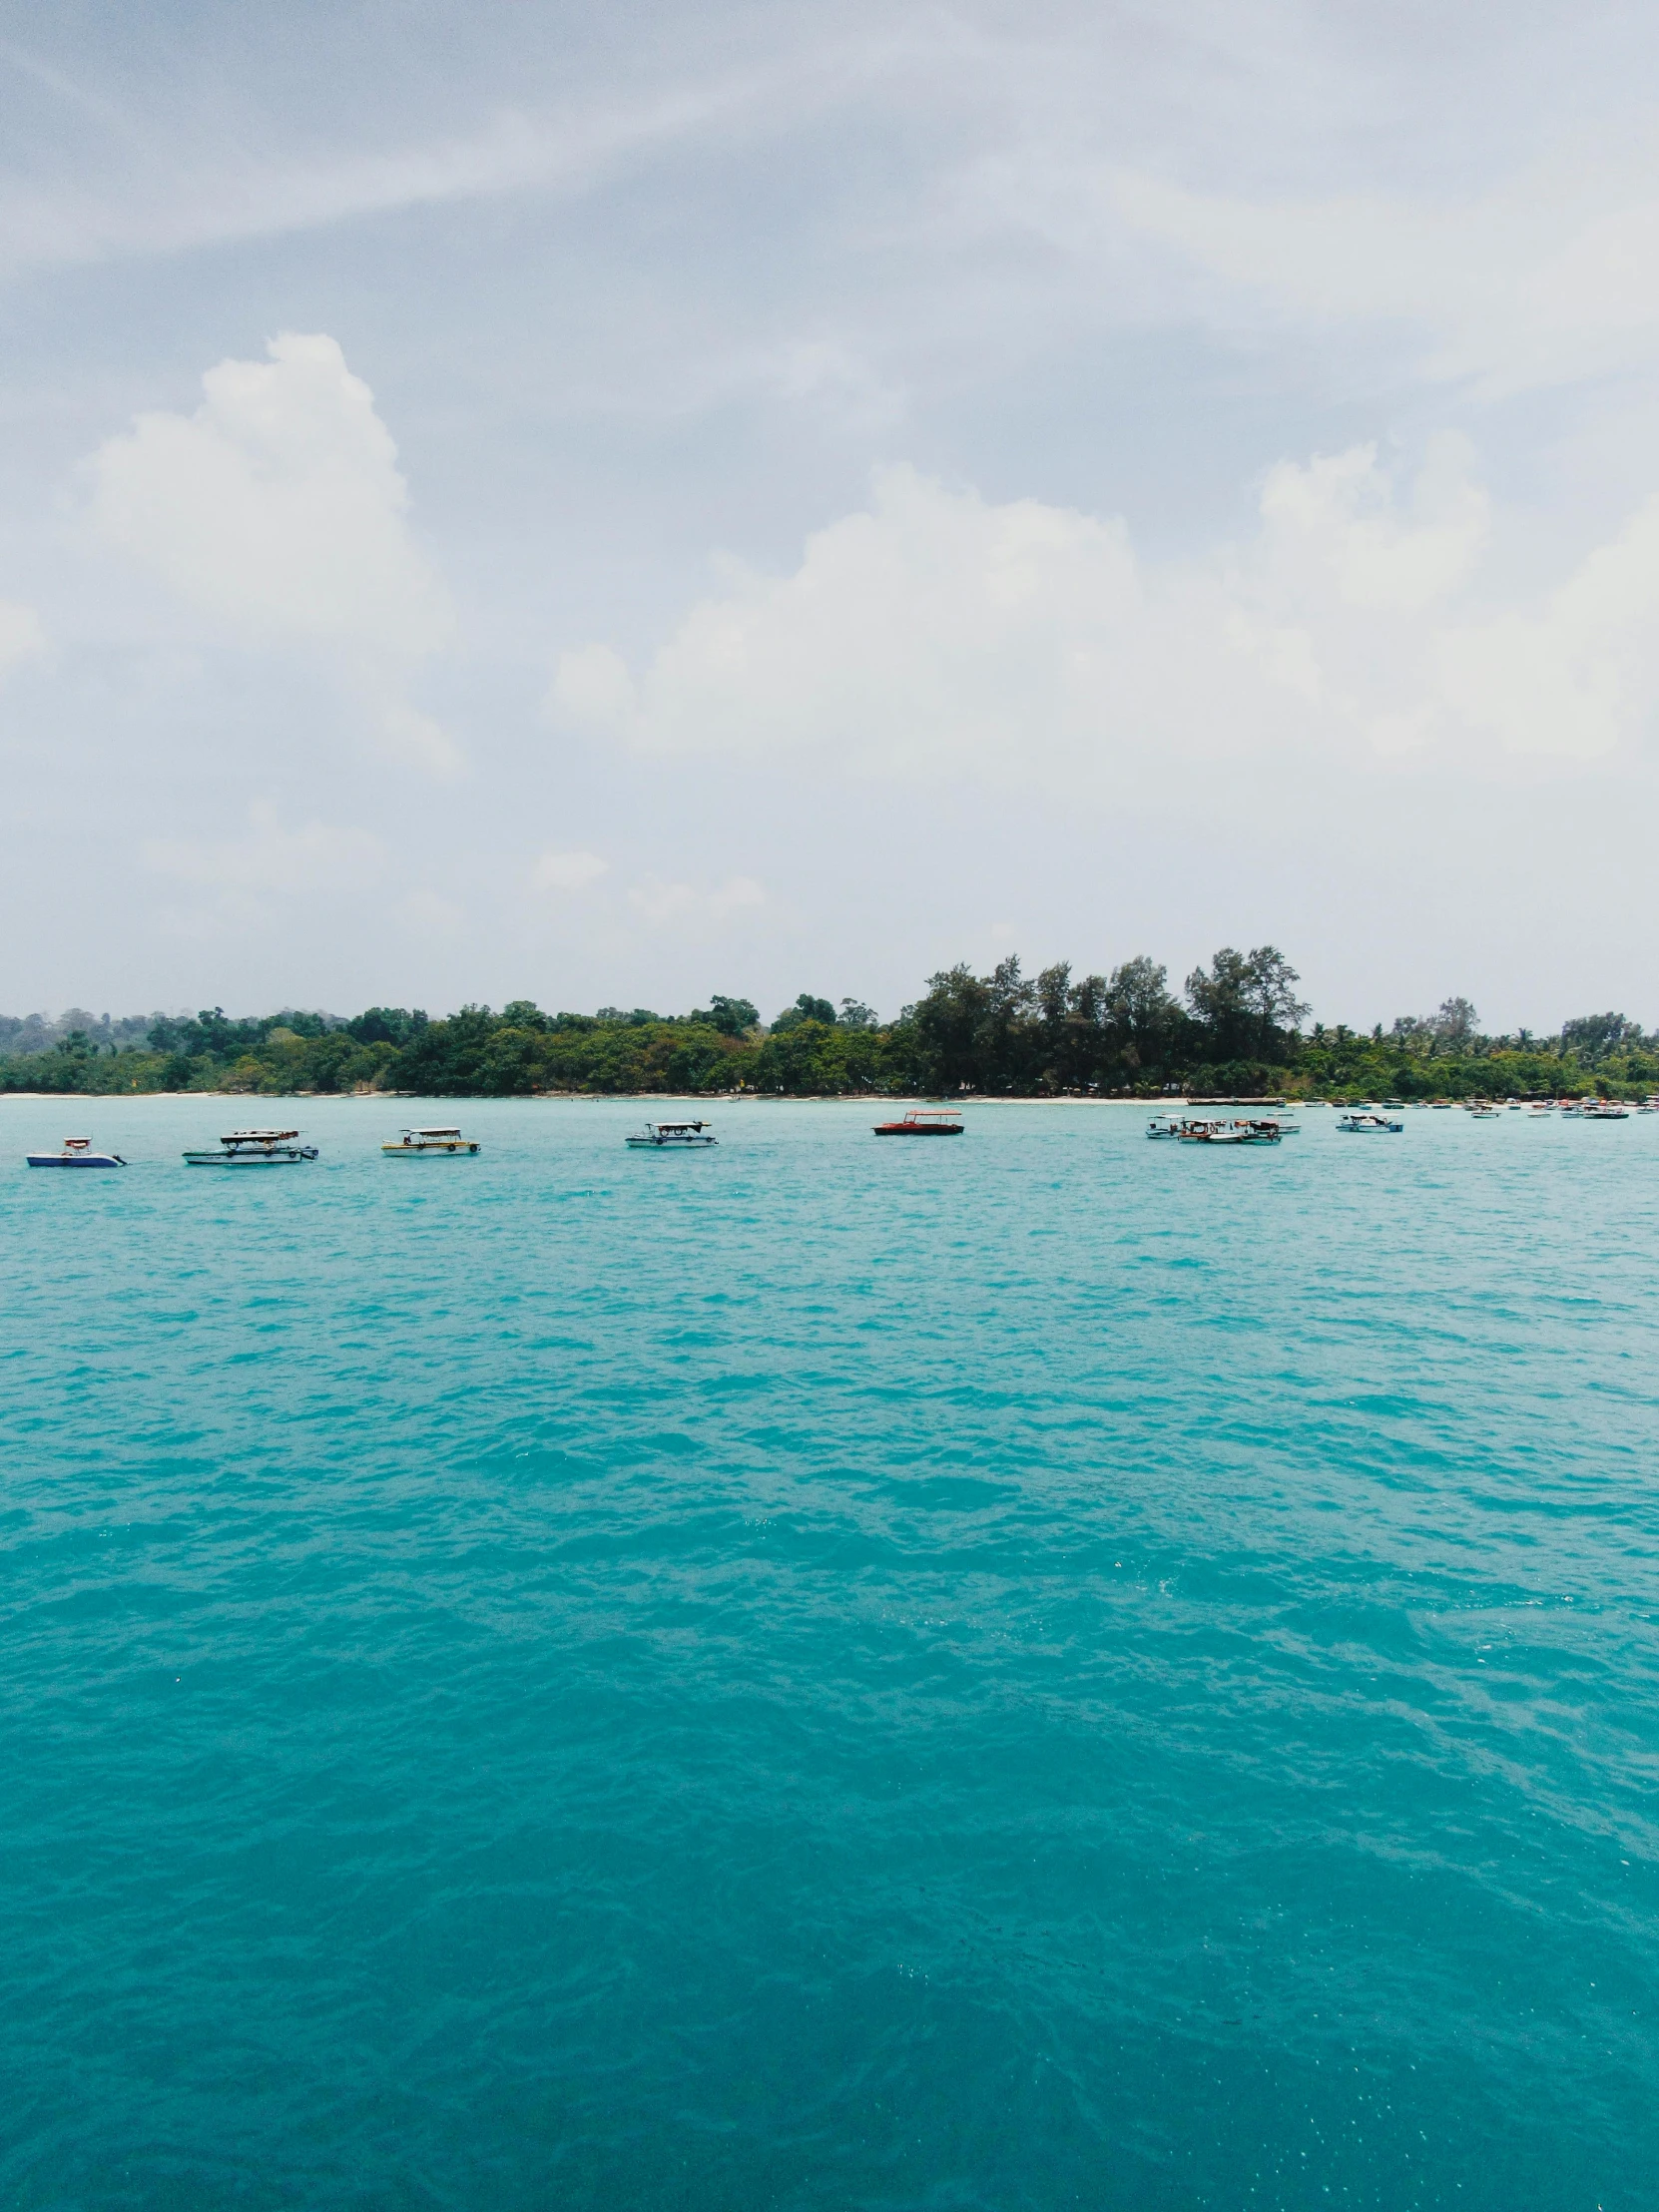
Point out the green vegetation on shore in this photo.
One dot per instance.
(1237, 1027)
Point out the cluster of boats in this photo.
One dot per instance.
(266, 1148)
(270, 1148)
(1204, 1129)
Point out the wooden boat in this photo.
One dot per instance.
(77, 1153)
(925, 1121)
(253, 1148)
(670, 1136)
(427, 1144)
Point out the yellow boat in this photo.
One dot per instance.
(426, 1144)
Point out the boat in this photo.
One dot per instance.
(77, 1153)
(427, 1144)
(925, 1121)
(253, 1148)
(1480, 1111)
(1604, 1109)
(670, 1136)
(1164, 1125)
(1361, 1123)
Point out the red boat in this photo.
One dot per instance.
(924, 1121)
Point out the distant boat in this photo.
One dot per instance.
(426, 1144)
(925, 1121)
(253, 1148)
(77, 1153)
(1197, 1130)
(1360, 1123)
(672, 1136)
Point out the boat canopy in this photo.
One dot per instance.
(257, 1136)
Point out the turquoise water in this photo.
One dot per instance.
(1041, 1669)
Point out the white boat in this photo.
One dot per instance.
(1164, 1125)
(429, 1144)
(77, 1153)
(253, 1148)
(1604, 1109)
(670, 1136)
(1360, 1123)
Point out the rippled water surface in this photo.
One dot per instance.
(1039, 1670)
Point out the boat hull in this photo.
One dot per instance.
(911, 1129)
(292, 1157)
(429, 1151)
(75, 1160)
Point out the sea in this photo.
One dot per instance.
(1041, 1669)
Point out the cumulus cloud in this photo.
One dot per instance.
(567, 871)
(937, 632)
(277, 512)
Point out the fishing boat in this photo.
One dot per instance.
(77, 1153)
(253, 1148)
(924, 1121)
(1359, 1122)
(670, 1136)
(430, 1144)
(1200, 1130)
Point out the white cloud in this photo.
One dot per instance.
(659, 902)
(298, 863)
(22, 638)
(940, 634)
(567, 871)
(277, 512)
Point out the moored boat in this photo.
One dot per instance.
(672, 1136)
(253, 1148)
(1359, 1122)
(77, 1153)
(925, 1121)
(430, 1144)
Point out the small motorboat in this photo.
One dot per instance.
(77, 1153)
(925, 1121)
(1361, 1123)
(432, 1144)
(672, 1136)
(253, 1148)
(1164, 1125)
(1604, 1109)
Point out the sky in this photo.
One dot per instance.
(612, 505)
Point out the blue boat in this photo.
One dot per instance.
(77, 1153)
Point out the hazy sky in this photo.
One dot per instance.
(610, 504)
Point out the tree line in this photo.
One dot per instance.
(1236, 1026)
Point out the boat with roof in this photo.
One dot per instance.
(672, 1136)
(77, 1153)
(1360, 1121)
(432, 1144)
(925, 1121)
(253, 1148)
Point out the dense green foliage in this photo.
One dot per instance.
(1236, 1027)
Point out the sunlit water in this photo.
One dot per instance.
(1039, 1670)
